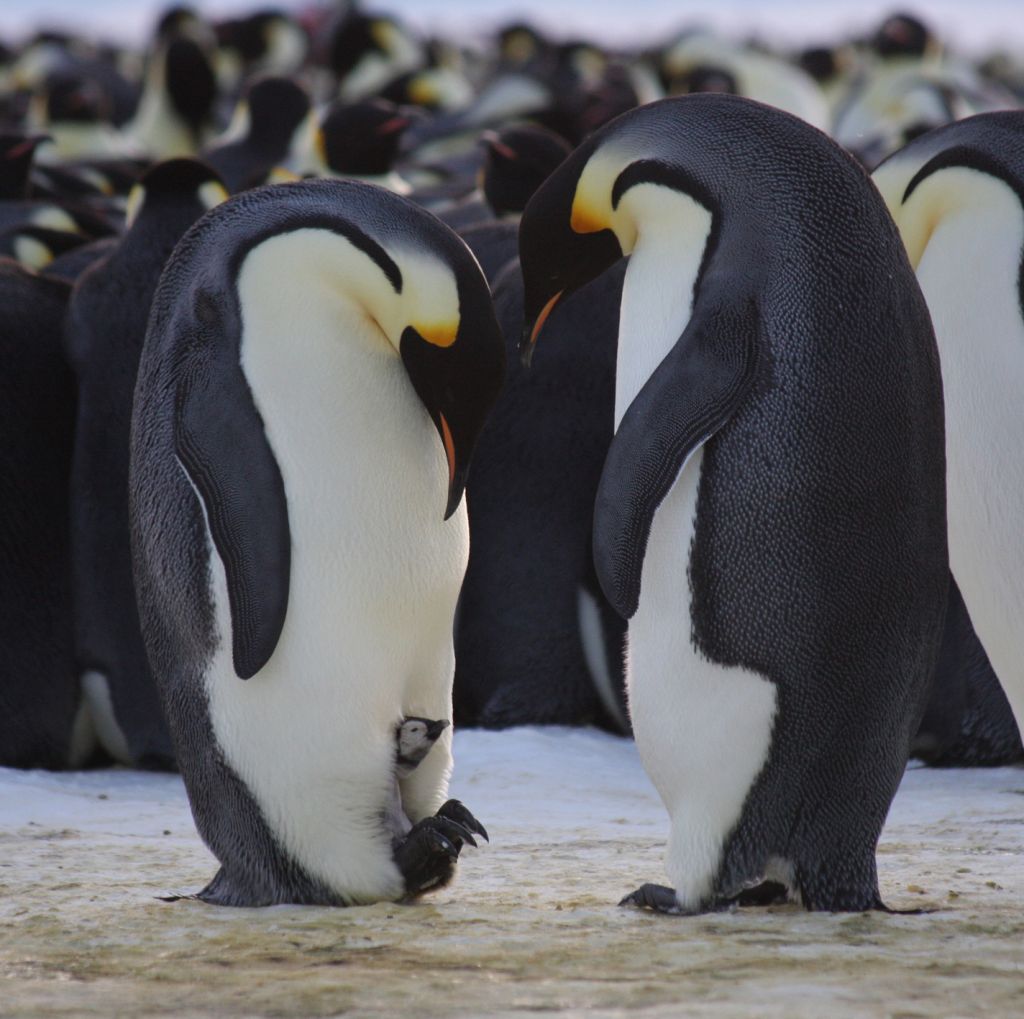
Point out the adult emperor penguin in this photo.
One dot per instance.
(770, 516)
(104, 332)
(957, 195)
(320, 359)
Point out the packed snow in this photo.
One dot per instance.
(530, 925)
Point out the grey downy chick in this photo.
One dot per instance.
(414, 738)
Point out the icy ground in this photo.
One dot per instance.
(531, 924)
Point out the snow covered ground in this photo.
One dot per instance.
(530, 926)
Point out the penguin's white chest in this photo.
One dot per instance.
(375, 574)
(969, 273)
(703, 730)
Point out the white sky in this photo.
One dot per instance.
(966, 25)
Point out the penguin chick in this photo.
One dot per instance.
(414, 738)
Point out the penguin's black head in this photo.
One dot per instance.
(362, 138)
(249, 35)
(820, 63)
(517, 161)
(277, 106)
(356, 36)
(184, 184)
(705, 78)
(189, 78)
(561, 246)
(520, 44)
(178, 19)
(902, 35)
(16, 154)
(75, 99)
(455, 358)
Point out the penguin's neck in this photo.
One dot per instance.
(657, 295)
(304, 330)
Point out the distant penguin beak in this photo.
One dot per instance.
(529, 340)
(394, 124)
(493, 142)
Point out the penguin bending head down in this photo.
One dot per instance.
(320, 359)
(771, 514)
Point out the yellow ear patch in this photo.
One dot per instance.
(211, 193)
(440, 334)
(585, 219)
(282, 175)
(136, 197)
(423, 91)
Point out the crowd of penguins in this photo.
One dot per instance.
(345, 122)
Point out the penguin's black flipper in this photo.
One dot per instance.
(691, 394)
(222, 445)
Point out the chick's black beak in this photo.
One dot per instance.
(435, 729)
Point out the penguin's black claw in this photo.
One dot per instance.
(654, 897)
(455, 811)
(456, 831)
(427, 856)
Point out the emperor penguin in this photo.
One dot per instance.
(104, 331)
(957, 195)
(176, 107)
(770, 516)
(320, 359)
(267, 123)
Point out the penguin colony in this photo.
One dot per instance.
(360, 384)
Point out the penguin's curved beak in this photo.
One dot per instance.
(530, 334)
(457, 382)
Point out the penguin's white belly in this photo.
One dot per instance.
(375, 574)
(703, 730)
(968, 274)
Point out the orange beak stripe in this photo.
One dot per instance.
(543, 316)
(583, 221)
(449, 447)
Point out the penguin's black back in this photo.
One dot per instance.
(105, 332)
(518, 651)
(38, 685)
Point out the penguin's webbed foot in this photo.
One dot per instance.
(657, 898)
(456, 811)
